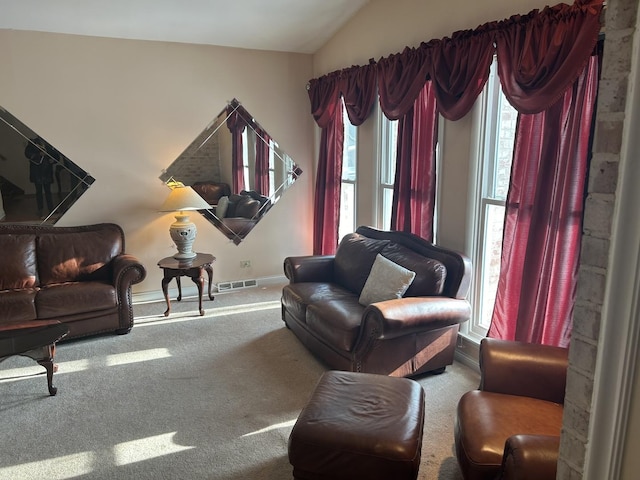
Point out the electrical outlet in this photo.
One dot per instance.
(245, 263)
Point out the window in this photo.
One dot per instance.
(387, 161)
(272, 165)
(245, 156)
(348, 183)
(495, 146)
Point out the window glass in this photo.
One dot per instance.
(349, 175)
(496, 142)
(387, 161)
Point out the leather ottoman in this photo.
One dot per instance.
(359, 426)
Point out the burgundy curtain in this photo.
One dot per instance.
(358, 87)
(324, 94)
(540, 55)
(236, 123)
(401, 77)
(543, 223)
(406, 96)
(459, 69)
(262, 162)
(415, 180)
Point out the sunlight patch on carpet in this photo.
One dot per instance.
(60, 468)
(13, 374)
(146, 448)
(275, 426)
(137, 356)
(152, 320)
(83, 463)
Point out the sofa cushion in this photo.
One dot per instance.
(247, 207)
(73, 298)
(337, 322)
(79, 256)
(298, 296)
(18, 305)
(18, 262)
(430, 273)
(354, 259)
(485, 420)
(386, 281)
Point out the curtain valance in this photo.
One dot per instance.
(401, 78)
(539, 56)
(356, 85)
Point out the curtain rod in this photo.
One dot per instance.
(492, 25)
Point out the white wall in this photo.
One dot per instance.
(124, 110)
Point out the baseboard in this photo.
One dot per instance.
(220, 288)
(467, 352)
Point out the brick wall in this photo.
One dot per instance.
(200, 161)
(620, 22)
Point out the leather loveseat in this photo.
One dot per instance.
(236, 215)
(413, 332)
(77, 275)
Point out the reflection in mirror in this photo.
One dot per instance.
(238, 169)
(38, 183)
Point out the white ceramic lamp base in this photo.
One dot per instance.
(183, 233)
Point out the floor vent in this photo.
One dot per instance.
(226, 286)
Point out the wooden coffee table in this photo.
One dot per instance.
(35, 339)
(193, 268)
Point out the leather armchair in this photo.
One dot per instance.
(510, 427)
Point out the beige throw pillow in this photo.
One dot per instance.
(386, 281)
(223, 205)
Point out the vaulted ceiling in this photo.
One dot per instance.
(300, 26)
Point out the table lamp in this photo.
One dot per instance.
(182, 199)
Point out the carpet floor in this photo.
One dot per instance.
(185, 397)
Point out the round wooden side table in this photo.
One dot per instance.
(193, 268)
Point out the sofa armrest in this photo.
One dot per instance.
(524, 369)
(530, 457)
(127, 270)
(309, 268)
(403, 316)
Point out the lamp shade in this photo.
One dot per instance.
(183, 198)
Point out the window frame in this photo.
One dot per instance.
(484, 187)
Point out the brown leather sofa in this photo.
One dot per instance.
(79, 276)
(510, 427)
(236, 215)
(400, 337)
(212, 191)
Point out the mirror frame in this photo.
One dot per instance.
(234, 164)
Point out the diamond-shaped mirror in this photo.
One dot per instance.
(38, 183)
(238, 168)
